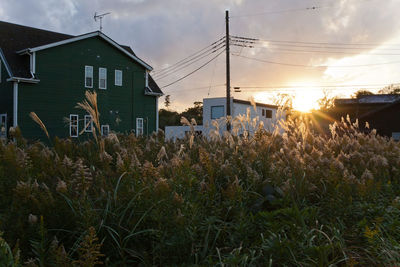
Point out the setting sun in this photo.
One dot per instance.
(306, 99)
(303, 99)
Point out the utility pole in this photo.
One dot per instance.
(228, 72)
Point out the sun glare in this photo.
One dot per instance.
(304, 99)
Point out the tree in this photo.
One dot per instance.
(168, 118)
(391, 89)
(284, 101)
(361, 92)
(326, 102)
(167, 101)
(195, 112)
(173, 118)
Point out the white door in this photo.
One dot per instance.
(3, 125)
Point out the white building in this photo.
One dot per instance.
(214, 109)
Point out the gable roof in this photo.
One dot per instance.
(17, 38)
(154, 89)
(245, 102)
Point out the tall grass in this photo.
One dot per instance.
(296, 199)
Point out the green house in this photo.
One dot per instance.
(48, 73)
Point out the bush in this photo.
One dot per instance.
(299, 198)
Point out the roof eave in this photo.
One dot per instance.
(153, 94)
(85, 36)
(20, 79)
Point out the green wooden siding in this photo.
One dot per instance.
(6, 95)
(61, 71)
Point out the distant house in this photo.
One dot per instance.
(215, 109)
(382, 112)
(48, 73)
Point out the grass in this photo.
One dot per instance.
(296, 199)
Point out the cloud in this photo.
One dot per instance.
(162, 32)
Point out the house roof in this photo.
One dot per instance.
(245, 102)
(369, 104)
(17, 38)
(154, 88)
(369, 99)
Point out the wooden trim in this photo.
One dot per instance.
(15, 104)
(70, 125)
(137, 126)
(86, 86)
(105, 83)
(115, 77)
(5, 63)
(86, 123)
(19, 79)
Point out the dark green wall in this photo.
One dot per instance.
(6, 95)
(61, 71)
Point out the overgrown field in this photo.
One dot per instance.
(297, 199)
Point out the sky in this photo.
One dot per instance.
(305, 48)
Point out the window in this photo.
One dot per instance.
(217, 112)
(102, 78)
(105, 129)
(268, 113)
(118, 77)
(89, 76)
(73, 125)
(139, 126)
(88, 123)
(3, 125)
(263, 112)
(146, 78)
(396, 136)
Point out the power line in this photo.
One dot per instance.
(324, 85)
(192, 55)
(311, 43)
(291, 51)
(317, 87)
(331, 47)
(316, 66)
(312, 8)
(193, 71)
(187, 64)
(191, 60)
(245, 42)
(197, 88)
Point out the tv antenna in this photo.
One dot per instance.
(100, 17)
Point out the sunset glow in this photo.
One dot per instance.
(306, 99)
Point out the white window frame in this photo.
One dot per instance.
(146, 78)
(103, 127)
(4, 115)
(101, 77)
(139, 130)
(88, 123)
(118, 82)
(71, 126)
(87, 68)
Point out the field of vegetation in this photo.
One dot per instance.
(296, 199)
